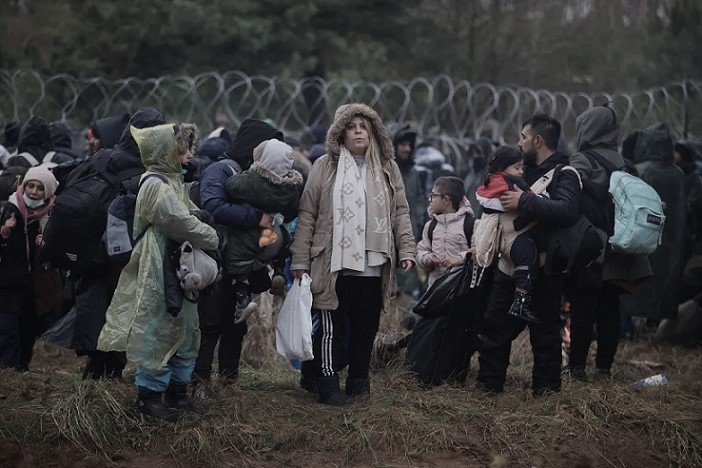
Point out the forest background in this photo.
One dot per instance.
(569, 45)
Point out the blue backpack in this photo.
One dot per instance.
(638, 215)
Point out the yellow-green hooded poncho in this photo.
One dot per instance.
(137, 321)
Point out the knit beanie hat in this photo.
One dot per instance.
(251, 133)
(43, 175)
(275, 156)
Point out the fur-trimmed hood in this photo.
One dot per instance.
(344, 114)
(292, 178)
(273, 160)
(187, 137)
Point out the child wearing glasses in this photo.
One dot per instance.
(505, 171)
(445, 243)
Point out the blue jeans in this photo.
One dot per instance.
(177, 371)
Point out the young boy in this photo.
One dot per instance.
(505, 171)
(446, 246)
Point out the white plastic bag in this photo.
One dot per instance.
(293, 332)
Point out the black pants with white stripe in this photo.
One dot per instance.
(346, 335)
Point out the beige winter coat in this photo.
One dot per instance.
(448, 240)
(312, 249)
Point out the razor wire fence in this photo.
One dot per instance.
(445, 110)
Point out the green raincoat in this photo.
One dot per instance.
(137, 321)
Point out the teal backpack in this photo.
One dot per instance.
(638, 215)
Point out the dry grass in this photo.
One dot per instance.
(266, 420)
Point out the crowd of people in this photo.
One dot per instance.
(360, 207)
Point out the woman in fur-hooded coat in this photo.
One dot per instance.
(353, 229)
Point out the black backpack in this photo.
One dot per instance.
(72, 238)
(11, 178)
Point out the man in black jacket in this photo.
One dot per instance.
(559, 206)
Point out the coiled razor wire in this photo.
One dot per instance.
(447, 111)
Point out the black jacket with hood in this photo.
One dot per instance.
(657, 297)
(414, 189)
(94, 292)
(35, 139)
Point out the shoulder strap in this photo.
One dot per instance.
(430, 231)
(235, 167)
(574, 171)
(48, 157)
(29, 158)
(163, 179)
(606, 163)
(543, 182)
(154, 175)
(468, 222)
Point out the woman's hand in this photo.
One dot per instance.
(298, 273)
(407, 265)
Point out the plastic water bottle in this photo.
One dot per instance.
(653, 381)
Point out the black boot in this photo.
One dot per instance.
(149, 403)
(357, 387)
(330, 391)
(177, 397)
(308, 378)
(521, 307)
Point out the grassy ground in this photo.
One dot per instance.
(49, 418)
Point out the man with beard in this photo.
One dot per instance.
(557, 206)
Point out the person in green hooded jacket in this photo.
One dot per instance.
(163, 347)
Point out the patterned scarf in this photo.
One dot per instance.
(361, 214)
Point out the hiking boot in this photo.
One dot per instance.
(177, 397)
(278, 283)
(150, 403)
(574, 373)
(357, 387)
(330, 391)
(521, 307)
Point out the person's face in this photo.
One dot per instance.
(34, 190)
(438, 202)
(186, 157)
(92, 143)
(356, 137)
(516, 169)
(404, 148)
(527, 144)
